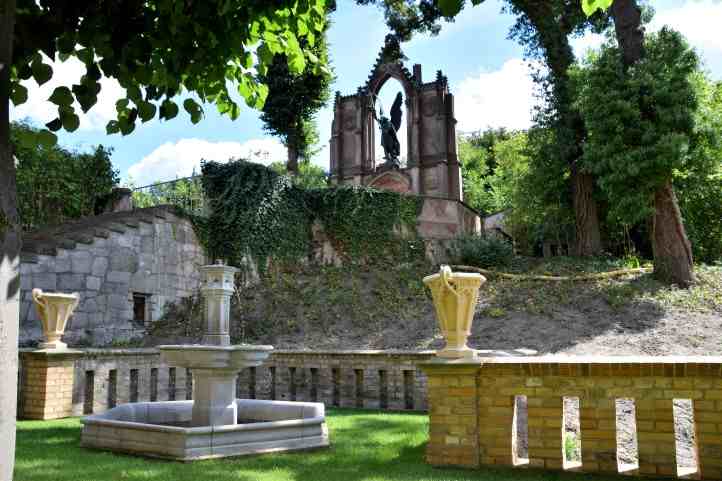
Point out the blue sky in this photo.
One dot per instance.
(486, 73)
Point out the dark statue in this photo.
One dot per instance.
(389, 127)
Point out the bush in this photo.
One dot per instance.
(481, 251)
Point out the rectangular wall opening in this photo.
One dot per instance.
(252, 383)
(383, 389)
(571, 433)
(314, 384)
(292, 382)
(359, 391)
(627, 447)
(112, 388)
(520, 432)
(685, 446)
(336, 384)
(133, 386)
(189, 384)
(272, 370)
(171, 384)
(153, 384)
(141, 308)
(89, 392)
(408, 389)
(239, 376)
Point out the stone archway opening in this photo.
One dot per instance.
(385, 99)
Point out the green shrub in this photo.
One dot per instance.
(482, 251)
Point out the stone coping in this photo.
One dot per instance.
(328, 352)
(545, 359)
(98, 420)
(205, 347)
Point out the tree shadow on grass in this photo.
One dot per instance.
(366, 446)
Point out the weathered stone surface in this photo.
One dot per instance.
(93, 283)
(148, 259)
(118, 276)
(71, 282)
(81, 261)
(100, 266)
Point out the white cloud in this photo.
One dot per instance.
(178, 159)
(39, 109)
(503, 98)
(589, 40)
(699, 21)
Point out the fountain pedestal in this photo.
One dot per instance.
(214, 377)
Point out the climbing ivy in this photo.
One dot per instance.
(259, 215)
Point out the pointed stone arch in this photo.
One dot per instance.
(432, 163)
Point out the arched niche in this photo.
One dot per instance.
(432, 164)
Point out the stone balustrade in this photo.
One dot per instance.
(104, 378)
(475, 414)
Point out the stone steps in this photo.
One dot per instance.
(48, 240)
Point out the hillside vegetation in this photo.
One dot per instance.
(387, 307)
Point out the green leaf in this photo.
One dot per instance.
(449, 8)
(195, 111)
(18, 94)
(69, 119)
(112, 127)
(591, 6)
(61, 96)
(146, 111)
(54, 125)
(41, 72)
(168, 109)
(121, 105)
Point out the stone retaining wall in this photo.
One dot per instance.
(104, 378)
(152, 256)
(474, 413)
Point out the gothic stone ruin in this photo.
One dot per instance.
(432, 165)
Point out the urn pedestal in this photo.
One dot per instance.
(455, 295)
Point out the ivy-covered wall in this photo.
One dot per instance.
(259, 215)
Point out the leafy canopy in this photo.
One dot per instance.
(641, 122)
(160, 49)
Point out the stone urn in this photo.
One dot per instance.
(54, 309)
(455, 295)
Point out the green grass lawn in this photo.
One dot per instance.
(366, 446)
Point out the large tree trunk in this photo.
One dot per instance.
(9, 255)
(672, 250)
(292, 166)
(588, 240)
(629, 31)
(553, 37)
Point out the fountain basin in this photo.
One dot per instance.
(199, 356)
(162, 430)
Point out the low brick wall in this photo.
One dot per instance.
(104, 378)
(474, 412)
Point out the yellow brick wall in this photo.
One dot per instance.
(493, 384)
(47, 388)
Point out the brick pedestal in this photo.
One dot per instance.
(453, 414)
(47, 384)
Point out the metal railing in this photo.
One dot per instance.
(186, 193)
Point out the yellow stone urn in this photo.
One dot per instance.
(54, 309)
(455, 296)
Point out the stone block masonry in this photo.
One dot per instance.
(474, 414)
(104, 378)
(125, 266)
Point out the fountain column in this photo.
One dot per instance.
(217, 289)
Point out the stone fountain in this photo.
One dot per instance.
(214, 423)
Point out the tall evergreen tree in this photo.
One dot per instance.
(295, 98)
